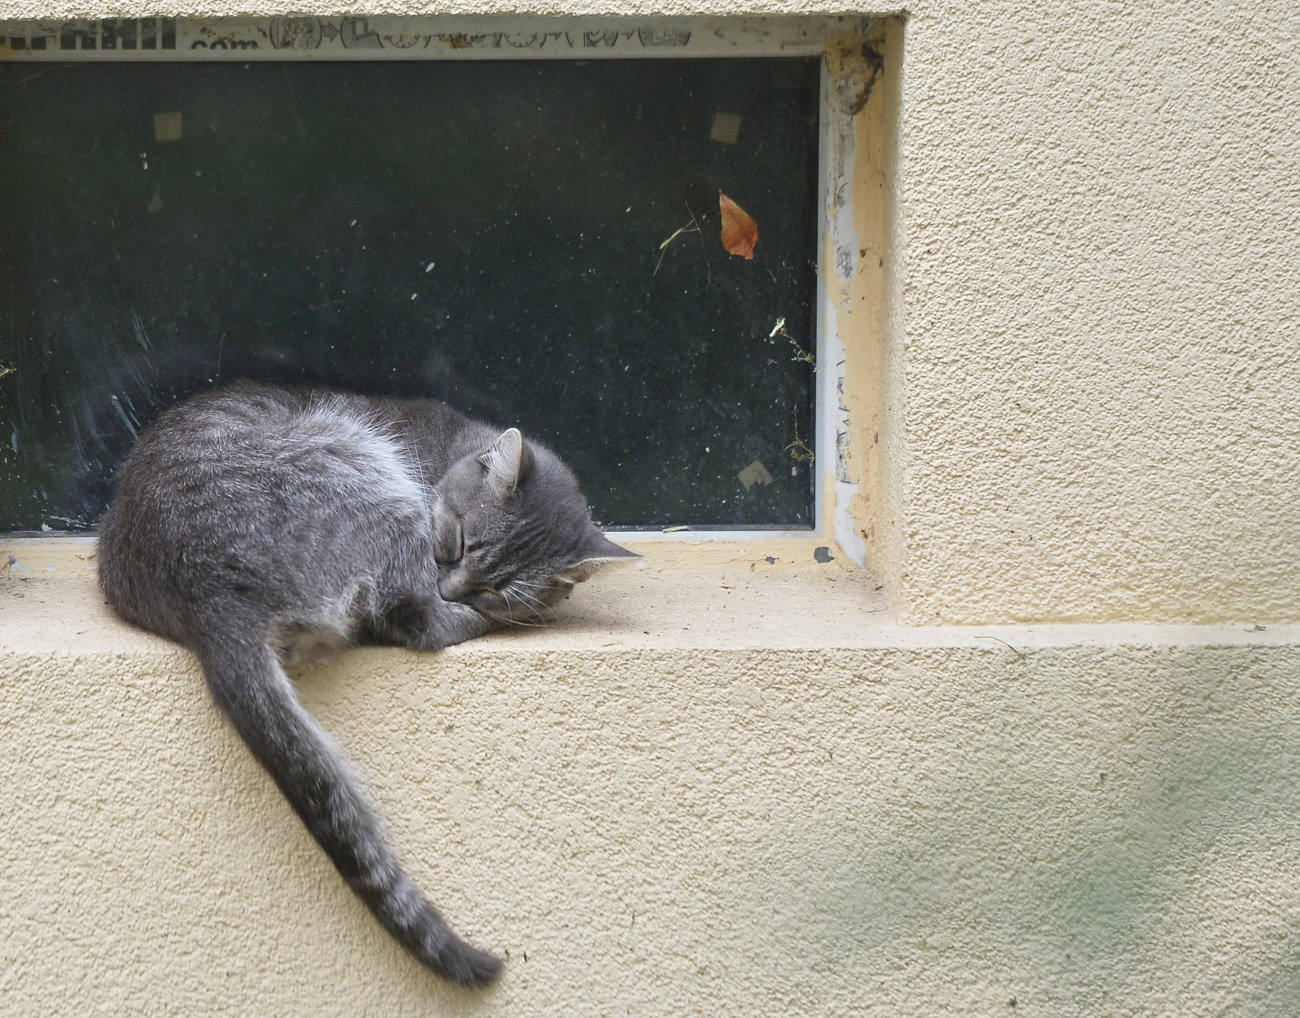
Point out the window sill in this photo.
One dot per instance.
(695, 597)
(711, 595)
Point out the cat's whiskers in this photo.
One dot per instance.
(533, 604)
(541, 607)
(509, 617)
(549, 606)
(510, 620)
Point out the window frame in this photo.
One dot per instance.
(836, 39)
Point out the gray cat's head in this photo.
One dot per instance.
(513, 531)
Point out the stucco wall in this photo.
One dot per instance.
(1102, 291)
(703, 794)
(730, 786)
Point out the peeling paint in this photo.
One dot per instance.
(853, 322)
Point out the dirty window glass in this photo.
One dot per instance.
(540, 243)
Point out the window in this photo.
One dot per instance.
(527, 223)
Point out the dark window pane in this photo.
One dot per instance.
(487, 233)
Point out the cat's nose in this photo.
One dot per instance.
(452, 587)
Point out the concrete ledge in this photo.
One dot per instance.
(707, 791)
(765, 595)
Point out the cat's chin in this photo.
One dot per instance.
(511, 609)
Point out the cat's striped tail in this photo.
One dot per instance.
(252, 690)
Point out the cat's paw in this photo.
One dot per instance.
(451, 622)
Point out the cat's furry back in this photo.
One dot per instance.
(259, 526)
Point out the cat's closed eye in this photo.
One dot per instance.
(450, 546)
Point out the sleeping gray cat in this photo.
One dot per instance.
(261, 527)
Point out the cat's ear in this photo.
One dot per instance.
(595, 550)
(508, 461)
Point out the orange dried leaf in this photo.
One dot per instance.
(739, 231)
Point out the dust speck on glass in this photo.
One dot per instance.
(538, 242)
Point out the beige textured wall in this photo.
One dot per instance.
(679, 802)
(728, 787)
(1102, 292)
